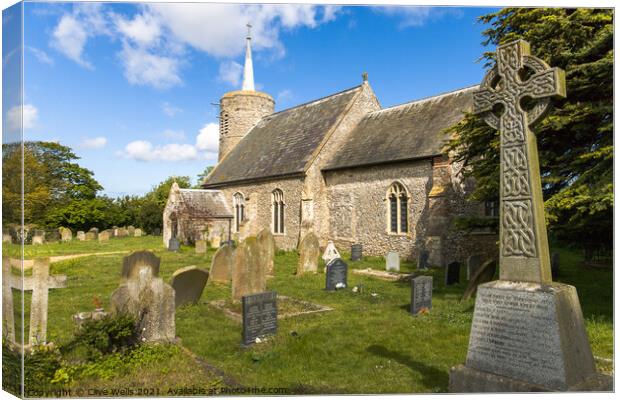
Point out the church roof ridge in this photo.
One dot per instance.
(315, 101)
(198, 190)
(397, 107)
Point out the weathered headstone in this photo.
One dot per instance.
(201, 246)
(423, 259)
(156, 232)
(392, 261)
(137, 232)
(309, 253)
(336, 274)
(473, 263)
(330, 252)
(483, 274)
(38, 239)
(104, 236)
(145, 296)
(81, 236)
(6, 236)
(260, 316)
(65, 234)
(216, 241)
(90, 235)
(39, 283)
(94, 230)
(131, 231)
(267, 248)
(453, 273)
(222, 264)
(528, 333)
(174, 244)
(555, 265)
(356, 252)
(248, 275)
(421, 294)
(188, 284)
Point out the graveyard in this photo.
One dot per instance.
(367, 341)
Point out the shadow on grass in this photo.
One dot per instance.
(431, 376)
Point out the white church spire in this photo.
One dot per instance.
(248, 71)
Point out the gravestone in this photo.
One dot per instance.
(336, 274)
(528, 333)
(40, 282)
(90, 236)
(392, 261)
(201, 246)
(65, 234)
(267, 248)
(423, 260)
(188, 284)
(260, 316)
(309, 253)
(81, 236)
(482, 275)
(104, 236)
(131, 231)
(53, 236)
(146, 297)
(216, 242)
(174, 244)
(6, 236)
(421, 294)
(248, 274)
(330, 252)
(473, 263)
(38, 239)
(356, 252)
(137, 232)
(156, 232)
(222, 264)
(555, 265)
(453, 273)
(122, 232)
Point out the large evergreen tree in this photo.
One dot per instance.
(575, 141)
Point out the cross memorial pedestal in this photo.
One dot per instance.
(528, 332)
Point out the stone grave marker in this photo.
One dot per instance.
(104, 236)
(81, 236)
(421, 294)
(336, 274)
(65, 234)
(145, 296)
(528, 332)
(95, 230)
(423, 259)
(90, 235)
(453, 273)
(201, 246)
(39, 237)
(260, 316)
(330, 252)
(40, 282)
(188, 284)
(555, 265)
(131, 231)
(248, 274)
(482, 275)
(267, 247)
(137, 232)
(156, 232)
(356, 252)
(473, 263)
(222, 264)
(6, 236)
(309, 253)
(216, 242)
(174, 244)
(392, 261)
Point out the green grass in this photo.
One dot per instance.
(367, 344)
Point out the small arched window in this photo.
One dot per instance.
(398, 206)
(239, 207)
(277, 201)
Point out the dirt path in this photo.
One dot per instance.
(16, 262)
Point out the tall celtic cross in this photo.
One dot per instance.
(519, 76)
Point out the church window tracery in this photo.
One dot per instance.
(278, 211)
(239, 207)
(397, 212)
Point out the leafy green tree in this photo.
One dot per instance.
(203, 175)
(575, 141)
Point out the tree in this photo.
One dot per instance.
(203, 175)
(154, 202)
(575, 141)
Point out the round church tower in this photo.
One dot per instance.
(241, 109)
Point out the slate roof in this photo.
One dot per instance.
(409, 131)
(282, 143)
(205, 203)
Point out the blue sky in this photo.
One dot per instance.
(131, 87)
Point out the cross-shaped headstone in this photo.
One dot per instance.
(40, 282)
(519, 76)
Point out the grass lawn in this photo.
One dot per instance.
(368, 343)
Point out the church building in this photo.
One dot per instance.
(348, 170)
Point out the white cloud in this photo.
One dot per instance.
(69, 37)
(94, 143)
(230, 72)
(173, 135)
(40, 55)
(145, 68)
(170, 110)
(14, 117)
(144, 29)
(415, 16)
(208, 138)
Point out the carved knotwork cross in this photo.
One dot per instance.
(518, 76)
